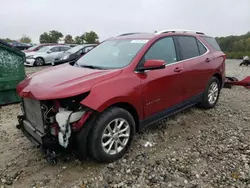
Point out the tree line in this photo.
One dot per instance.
(56, 36)
(235, 47)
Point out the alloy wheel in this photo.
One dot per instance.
(213, 93)
(39, 61)
(115, 136)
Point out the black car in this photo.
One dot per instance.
(73, 54)
(20, 45)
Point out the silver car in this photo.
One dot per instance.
(45, 55)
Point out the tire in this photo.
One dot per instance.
(39, 61)
(210, 102)
(108, 119)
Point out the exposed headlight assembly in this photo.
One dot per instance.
(30, 57)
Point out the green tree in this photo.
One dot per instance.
(25, 39)
(55, 36)
(51, 37)
(7, 40)
(248, 44)
(79, 40)
(235, 46)
(68, 39)
(90, 37)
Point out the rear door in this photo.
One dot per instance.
(162, 88)
(197, 63)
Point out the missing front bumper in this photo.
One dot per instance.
(37, 138)
(29, 131)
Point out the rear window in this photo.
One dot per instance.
(212, 42)
(189, 47)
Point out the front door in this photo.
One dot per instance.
(52, 55)
(162, 88)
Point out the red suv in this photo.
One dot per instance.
(96, 105)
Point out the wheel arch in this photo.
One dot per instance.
(131, 109)
(219, 77)
(39, 57)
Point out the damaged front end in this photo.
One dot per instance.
(51, 124)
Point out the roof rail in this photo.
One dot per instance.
(180, 31)
(124, 34)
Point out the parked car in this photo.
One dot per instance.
(45, 55)
(73, 54)
(97, 104)
(20, 45)
(39, 46)
(72, 45)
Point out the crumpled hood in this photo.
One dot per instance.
(62, 81)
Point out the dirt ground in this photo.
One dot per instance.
(193, 149)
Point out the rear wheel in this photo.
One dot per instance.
(211, 94)
(39, 61)
(111, 135)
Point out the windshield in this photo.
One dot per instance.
(33, 47)
(44, 49)
(112, 54)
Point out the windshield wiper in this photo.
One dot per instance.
(91, 67)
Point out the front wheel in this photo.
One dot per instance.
(211, 94)
(111, 135)
(39, 61)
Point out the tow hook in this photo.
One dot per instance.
(51, 157)
(20, 119)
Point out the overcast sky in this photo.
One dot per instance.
(111, 17)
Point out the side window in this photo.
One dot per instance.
(79, 52)
(64, 48)
(163, 49)
(55, 49)
(212, 42)
(202, 48)
(188, 45)
(88, 48)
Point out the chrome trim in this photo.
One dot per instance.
(192, 57)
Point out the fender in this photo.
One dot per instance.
(124, 88)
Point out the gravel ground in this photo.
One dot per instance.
(193, 149)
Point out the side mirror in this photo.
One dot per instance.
(49, 51)
(83, 53)
(153, 65)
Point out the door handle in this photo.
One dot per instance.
(178, 69)
(207, 60)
